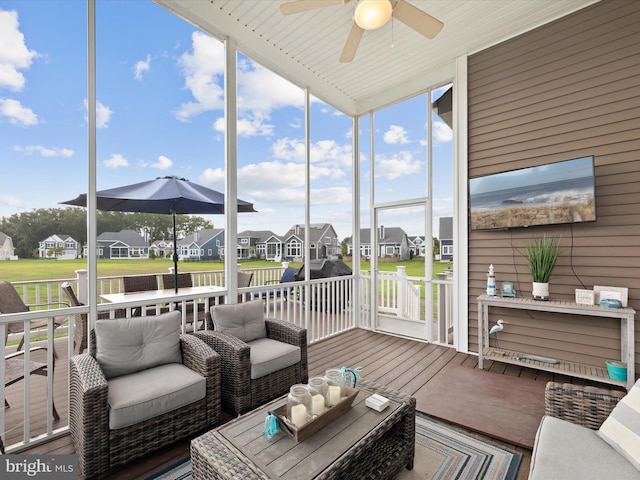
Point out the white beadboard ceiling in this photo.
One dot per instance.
(392, 63)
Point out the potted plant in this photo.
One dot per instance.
(542, 254)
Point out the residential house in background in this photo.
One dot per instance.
(162, 248)
(253, 243)
(205, 244)
(61, 247)
(418, 246)
(7, 252)
(446, 239)
(323, 242)
(393, 242)
(272, 247)
(123, 244)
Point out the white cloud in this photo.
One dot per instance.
(44, 151)
(103, 114)
(396, 166)
(259, 89)
(250, 125)
(11, 201)
(395, 135)
(202, 69)
(116, 160)
(163, 163)
(14, 54)
(141, 66)
(16, 113)
(441, 132)
(262, 90)
(323, 152)
(269, 181)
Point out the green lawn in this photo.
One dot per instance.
(26, 269)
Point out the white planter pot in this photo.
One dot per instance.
(540, 291)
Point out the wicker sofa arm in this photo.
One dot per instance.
(235, 362)
(286, 332)
(89, 412)
(234, 354)
(583, 405)
(199, 357)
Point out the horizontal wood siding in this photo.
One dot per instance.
(565, 90)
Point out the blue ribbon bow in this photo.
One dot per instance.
(271, 426)
(352, 373)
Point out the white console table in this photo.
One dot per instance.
(590, 372)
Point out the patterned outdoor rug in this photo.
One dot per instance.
(442, 453)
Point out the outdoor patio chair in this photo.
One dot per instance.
(260, 357)
(184, 281)
(244, 281)
(288, 276)
(14, 371)
(143, 386)
(11, 302)
(80, 330)
(142, 283)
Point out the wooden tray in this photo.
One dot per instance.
(299, 434)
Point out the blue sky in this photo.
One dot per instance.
(159, 92)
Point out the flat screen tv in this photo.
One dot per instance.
(561, 192)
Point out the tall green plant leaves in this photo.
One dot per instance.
(542, 254)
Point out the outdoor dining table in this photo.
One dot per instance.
(167, 295)
(164, 295)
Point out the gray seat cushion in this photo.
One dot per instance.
(242, 320)
(128, 345)
(268, 356)
(563, 450)
(146, 394)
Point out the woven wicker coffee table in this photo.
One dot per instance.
(361, 443)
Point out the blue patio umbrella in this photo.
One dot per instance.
(167, 195)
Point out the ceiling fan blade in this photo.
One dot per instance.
(351, 45)
(417, 19)
(304, 5)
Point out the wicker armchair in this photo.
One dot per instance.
(100, 447)
(240, 392)
(583, 405)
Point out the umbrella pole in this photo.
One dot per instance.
(175, 252)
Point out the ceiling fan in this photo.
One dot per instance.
(371, 15)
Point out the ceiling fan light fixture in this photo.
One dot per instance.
(372, 14)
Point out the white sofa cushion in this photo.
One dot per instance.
(564, 451)
(128, 345)
(268, 356)
(621, 429)
(242, 320)
(146, 394)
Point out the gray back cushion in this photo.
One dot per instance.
(243, 320)
(128, 345)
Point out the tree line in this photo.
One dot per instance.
(27, 229)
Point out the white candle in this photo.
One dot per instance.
(334, 395)
(299, 415)
(317, 406)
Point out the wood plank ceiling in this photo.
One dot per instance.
(392, 63)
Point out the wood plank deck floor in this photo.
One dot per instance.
(403, 364)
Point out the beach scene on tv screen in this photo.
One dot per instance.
(562, 192)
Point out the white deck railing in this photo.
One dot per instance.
(324, 307)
